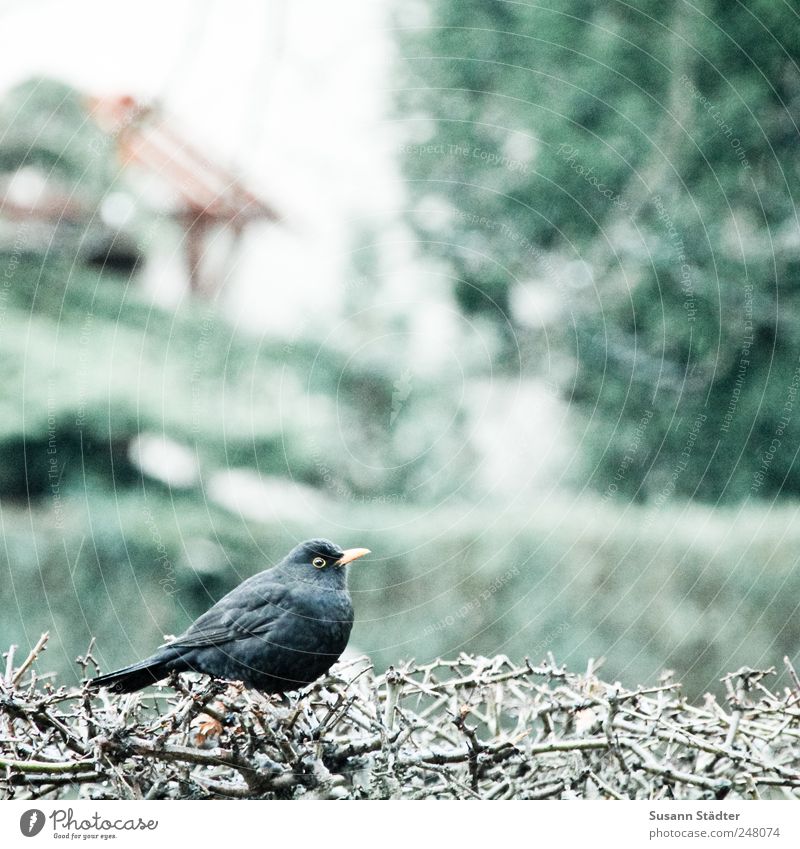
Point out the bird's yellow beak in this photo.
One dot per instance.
(350, 555)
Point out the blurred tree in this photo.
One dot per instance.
(637, 164)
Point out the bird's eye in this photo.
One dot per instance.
(318, 562)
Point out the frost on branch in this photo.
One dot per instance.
(470, 727)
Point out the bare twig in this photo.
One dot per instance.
(34, 653)
(464, 728)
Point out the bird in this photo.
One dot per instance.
(277, 631)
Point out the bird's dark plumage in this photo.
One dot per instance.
(277, 631)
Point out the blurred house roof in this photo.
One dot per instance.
(64, 182)
(146, 139)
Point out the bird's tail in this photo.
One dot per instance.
(136, 676)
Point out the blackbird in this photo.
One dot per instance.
(277, 631)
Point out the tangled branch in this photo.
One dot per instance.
(464, 728)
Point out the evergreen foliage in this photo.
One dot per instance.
(637, 161)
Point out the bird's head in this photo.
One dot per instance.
(321, 556)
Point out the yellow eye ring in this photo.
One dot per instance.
(318, 562)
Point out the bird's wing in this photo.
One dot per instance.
(252, 608)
